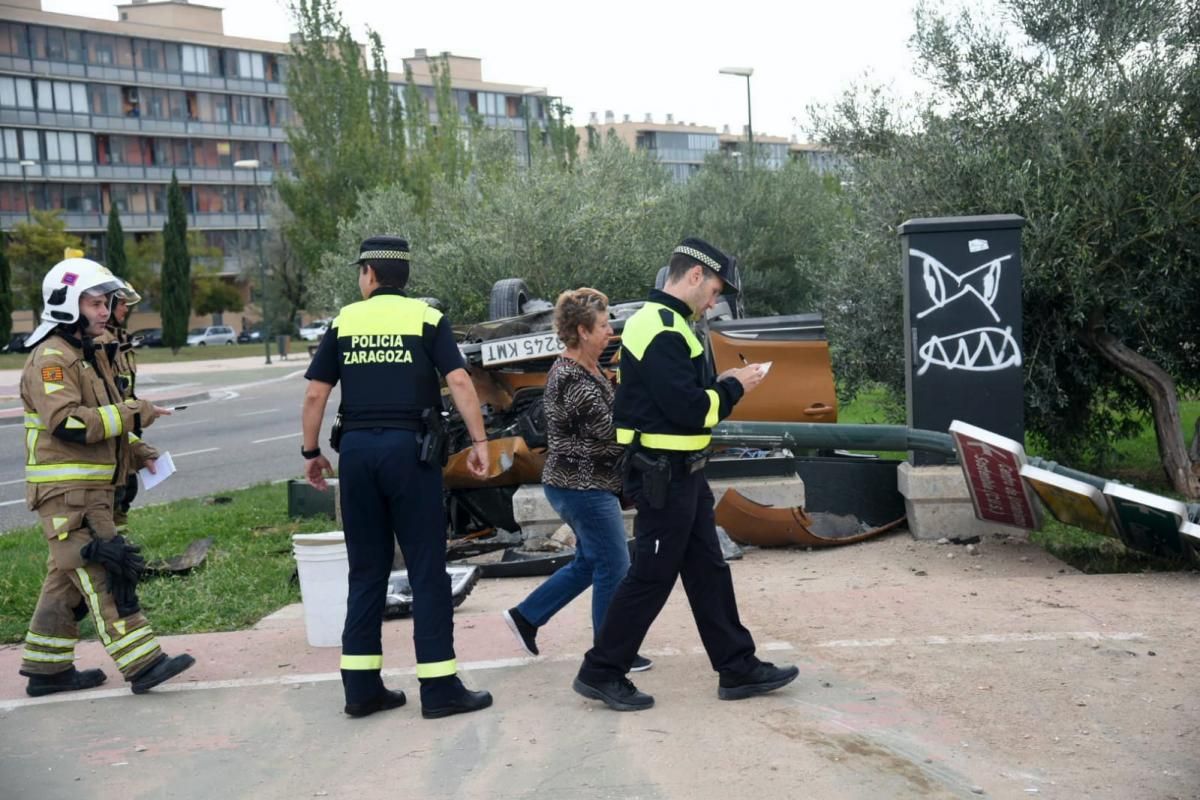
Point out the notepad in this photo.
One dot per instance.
(164, 468)
(765, 367)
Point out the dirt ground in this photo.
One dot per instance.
(926, 671)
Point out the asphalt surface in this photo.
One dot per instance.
(247, 432)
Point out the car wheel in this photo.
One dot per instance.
(201, 344)
(508, 298)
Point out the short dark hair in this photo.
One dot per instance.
(681, 264)
(388, 273)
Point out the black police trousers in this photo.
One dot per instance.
(388, 496)
(678, 540)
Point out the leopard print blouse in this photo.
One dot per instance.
(583, 446)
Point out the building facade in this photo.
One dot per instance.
(98, 113)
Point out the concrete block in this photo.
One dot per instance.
(537, 517)
(938, 503)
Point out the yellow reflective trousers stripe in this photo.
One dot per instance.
(59, 473)
(47, 658)
(362, 662)
(145, 650)
(49, 641)
(128, 639)
(93, 601)
(438, 669)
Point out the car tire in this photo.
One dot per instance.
(201, 344)
(508, 298)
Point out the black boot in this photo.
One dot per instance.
(71, 680)
(164, 668)
(764, 678)
(619, 695)
(385, 701)
(442, 697)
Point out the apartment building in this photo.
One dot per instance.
(98, 113)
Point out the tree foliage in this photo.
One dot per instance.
(176, 271)
(1083, 118)
(114, 244)
(211, 295)
(33, 248)
(6, 295)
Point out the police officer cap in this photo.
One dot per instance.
(711, 257)
(382, 248)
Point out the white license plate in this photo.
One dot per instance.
(521, 348)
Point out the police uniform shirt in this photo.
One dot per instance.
(665, 394)
(387, 352)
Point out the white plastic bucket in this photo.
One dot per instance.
(324, 580)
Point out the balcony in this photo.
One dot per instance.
(138, 221)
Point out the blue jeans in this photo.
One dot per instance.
(601, 555)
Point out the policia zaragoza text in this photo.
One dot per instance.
(383, 348)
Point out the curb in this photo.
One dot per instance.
(17, 416)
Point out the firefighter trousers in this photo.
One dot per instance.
(677, 540)
(389, 497)
(74, 588)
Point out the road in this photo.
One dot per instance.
(249, 432)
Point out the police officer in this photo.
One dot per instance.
(664, 409)
(387, 352)
(77, 431)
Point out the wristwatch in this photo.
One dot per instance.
(316, 451)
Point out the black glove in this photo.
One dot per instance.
(119, 557)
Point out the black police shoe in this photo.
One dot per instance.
(71, 680)
(766, 677)
(385, 701)
(164, 668)
(640, 664)
(619, 695)
(523, 629)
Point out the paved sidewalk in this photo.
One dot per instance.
(925, 672)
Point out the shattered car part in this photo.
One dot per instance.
(399, 591)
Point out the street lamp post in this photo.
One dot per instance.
(26, 163)
(252, 164)
(745, 72)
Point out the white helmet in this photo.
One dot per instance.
(128, 293)
(62, 288)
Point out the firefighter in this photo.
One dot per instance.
(664, 409)
(387, 352)
(118, 348)
(77, 429)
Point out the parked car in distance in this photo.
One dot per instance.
(147, 337)
(250, 335)
(213, 334)
(16, 344)
(314, 330)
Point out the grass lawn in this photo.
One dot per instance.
(160, 355)
(246, 576)
(1136, 462)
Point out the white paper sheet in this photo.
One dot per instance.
(765, 367)
(164, 468)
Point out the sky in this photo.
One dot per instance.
(634, 57)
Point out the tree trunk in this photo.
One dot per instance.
(1181, 468)
(1194, 451)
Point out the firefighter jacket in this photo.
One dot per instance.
(118, 350)
(665, 399)
(387, 352)
(77, 427)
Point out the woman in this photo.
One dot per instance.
(580, 478)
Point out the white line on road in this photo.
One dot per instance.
(174, 425)
(10, 483)
(252, 413)
(195, 452)
(11, 502)
(277, 438)
(984, 638)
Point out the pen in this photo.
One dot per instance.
(743, 358)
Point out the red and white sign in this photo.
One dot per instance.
(992, 465)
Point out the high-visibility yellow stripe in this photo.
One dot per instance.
(51, 351)
(714, 408)
(362, 662)
(625, 435)
(381, 315)
(51, 388)
(133, 438)
(34, 421)
(93, 601)
(129, 639)
(648, 322)
(74, 424)
(47, 658)
(143, 651)
(670, 441)
(59, 473)
(438, 669)
(31, 439)
(49, 641)
(113, 424)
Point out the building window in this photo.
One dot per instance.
(106, 50)
(249, 65)
(197, 59)
(29, 146)
(9, 150)
(150, 54)
(106, 99)
(12, 40)
(69, 147)
(16, 92)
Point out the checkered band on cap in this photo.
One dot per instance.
(703, 258)
(369, 255)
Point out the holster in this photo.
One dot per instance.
(433, 438)
(656, 477)
(335, 434)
